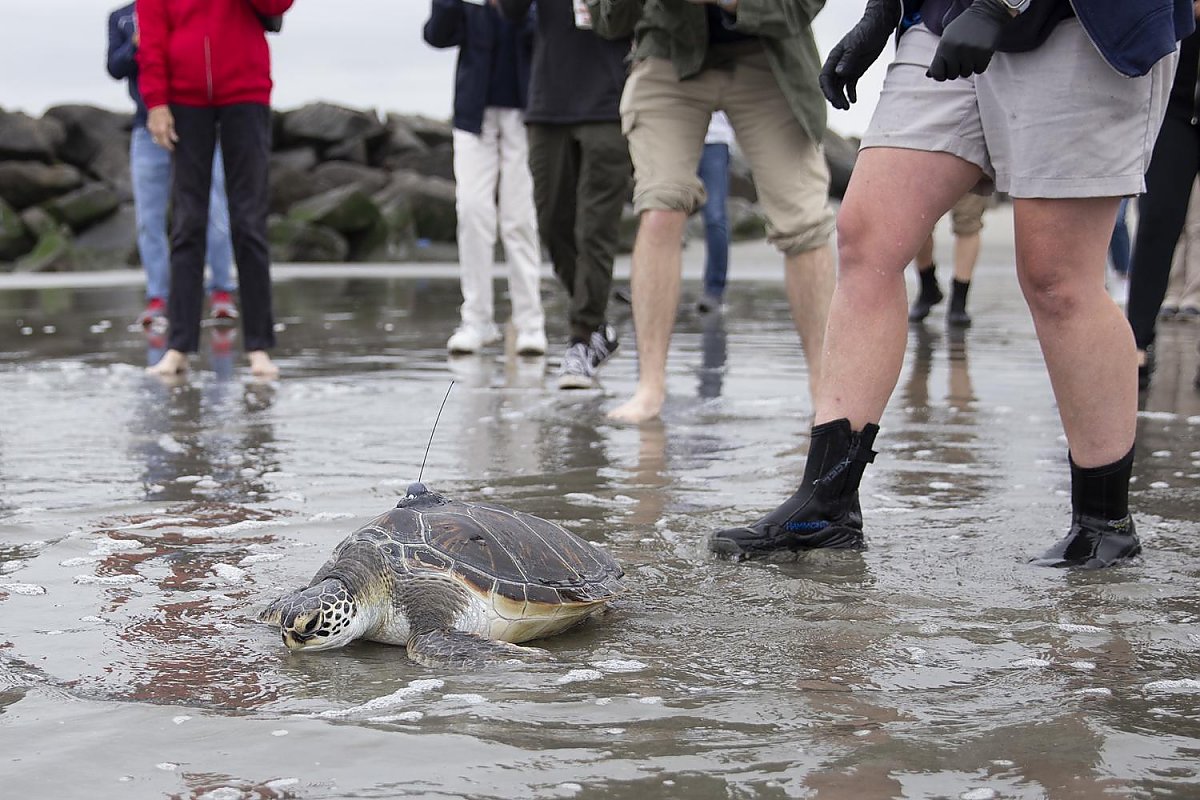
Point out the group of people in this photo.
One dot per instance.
(559, 102)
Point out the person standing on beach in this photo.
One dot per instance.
(1053, 102)
(966, 223)
(757, 61)
(491, 171)
(205, 74)
(714, 174)
(151, 170)
(580, 166)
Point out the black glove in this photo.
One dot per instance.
(857, 51)
(968, 42)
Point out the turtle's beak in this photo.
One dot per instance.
(294, 640)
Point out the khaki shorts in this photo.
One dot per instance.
(1054, 122)
(665, 120)
(966, 217)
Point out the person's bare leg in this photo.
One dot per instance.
(172, 363)
(892, 203)
(924, 256)
(261, 365)
(809, 281)
(1085, 339)
(655, 280)
(966, 254)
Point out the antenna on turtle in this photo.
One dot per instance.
(435, 422)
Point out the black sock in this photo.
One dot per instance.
(929, 284)
(1102, 492)
(958, 294)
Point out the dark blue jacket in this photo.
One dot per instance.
(1131, 35)
(122, 56)
(473, 29)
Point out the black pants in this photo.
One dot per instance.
(581, 177)
(245, 131)
(1161, 214)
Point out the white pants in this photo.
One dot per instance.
(491, 171)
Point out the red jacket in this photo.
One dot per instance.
(204, 52)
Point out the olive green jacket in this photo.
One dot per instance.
(678, 30)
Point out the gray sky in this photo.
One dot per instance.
(359, 53)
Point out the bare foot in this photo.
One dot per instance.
(261, 365)
(172, 364)
(641, 407)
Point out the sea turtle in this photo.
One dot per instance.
(457, 583)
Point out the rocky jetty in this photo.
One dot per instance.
(346, 185)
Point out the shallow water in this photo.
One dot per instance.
(142, 525)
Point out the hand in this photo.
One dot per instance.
(857, 51)
(969, 41)
(161, 124)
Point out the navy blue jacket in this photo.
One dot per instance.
(1131, 35)
(122, 56)
(473, 29)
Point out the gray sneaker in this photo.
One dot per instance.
(577, 371)
(602, 345)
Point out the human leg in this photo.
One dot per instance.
(219, 246)
(929, 294)
(518, 231)
(150, 168)
(245, 143)
(190, 186)
(966, 222)
(714, 174)
(476, 175)
(665, 120)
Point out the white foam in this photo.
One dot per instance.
(280, 732)
(247, 525)
(81, 561)
(106, 546)
(259, 558)
(180, 720)
(1031, 662)
(189, 479)
(1162, 454)
(940, 485)
(168, 444)
(650, 701)
(22, 588)
(1160, 485)
(403, 716)
(1183, 685)
(1086, 666)
(979, 794)
(469, 699)
(577, 675)
(1098, 691)
(585, 498)
(1071, 627)
(108, 580)
(326, 516)
(282, 783)
(619, 665)
(167, 766)
(397, 697)
(229, 573)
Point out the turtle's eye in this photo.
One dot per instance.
(311, 625)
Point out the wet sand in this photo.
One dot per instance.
(142, 525)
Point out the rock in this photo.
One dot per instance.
(84, 206)
(746, 220)
(23, 137)
(354, 150)
(111, 243)
(295, 241)
(840, 155)
(346, 210)
(97, 142)
(38, 221)
(326, 123)
(396, 207)
(300, 159)
(400, 142)
(15, 239)
(27, 183)
(434, 214)
(52, 253)
(437, 161)
(432, 132)
(336, 174)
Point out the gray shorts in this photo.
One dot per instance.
(1054, 122)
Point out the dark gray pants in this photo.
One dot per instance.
(581, 176)
(245, 133)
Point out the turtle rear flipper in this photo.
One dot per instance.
(448, 648)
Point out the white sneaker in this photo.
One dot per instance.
(469, 339)
(531, 342)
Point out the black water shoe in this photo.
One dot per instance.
(929, 296)
(1093, 543)
(824, 512)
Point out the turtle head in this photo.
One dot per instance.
(320, 617)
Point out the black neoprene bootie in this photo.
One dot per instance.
(956, 315)
(824, 511)
(929, 296)
(1102, 531)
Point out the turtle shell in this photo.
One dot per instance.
(496, 549)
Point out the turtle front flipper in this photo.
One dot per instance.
(449, 648)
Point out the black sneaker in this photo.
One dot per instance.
(824, 512)
(1092, 544)
(602, 345)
